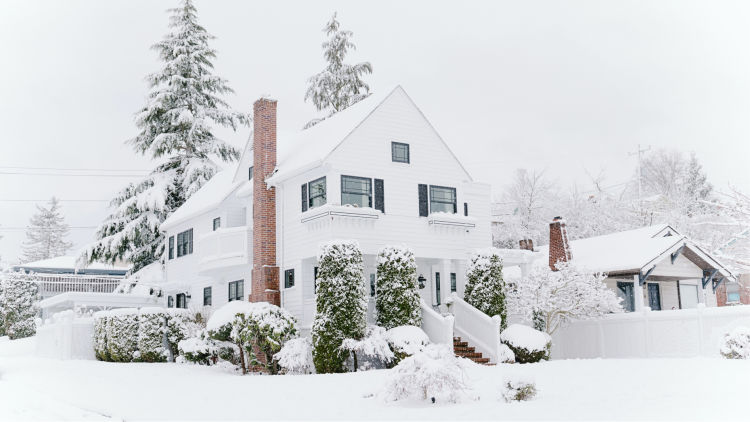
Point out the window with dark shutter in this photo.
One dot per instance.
(217, 223)
(304, 197)
(466, 209)
(423, 207)
(453, 282)
(379, 196)
(317, 192)
(288, 278)
(443, 199)
(356, 191)
(185, 243)
(206, 296)
(250, 173)
(236, 290)
(171, 247)
(170, 302)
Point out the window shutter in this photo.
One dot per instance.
(191, 241)
(379, 196)
(423, 207)
(466, 209)
(304, 197)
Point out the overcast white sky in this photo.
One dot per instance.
(562, 86)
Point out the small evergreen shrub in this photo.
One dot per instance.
(736, 344)
(267, 328)
(527, 344)
(180, 324)
(101, 321)
(151, 329)
(406, 341)
(518, 390)
(341, 307)
(485, 288)
(18, 306)
(200, 350)
(122, 335)
(295, 357)
(397, 300)
(373, 350)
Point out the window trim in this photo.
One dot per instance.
(185, 246)
(171, 247)
(179, 296)
(289, 278)
(311, 197)
(395, 159)
(455, 198)
(217, 223)
(369, 180)
(208, 296)
(454, 284)
(239, 290)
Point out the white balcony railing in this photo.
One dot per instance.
(224, 247)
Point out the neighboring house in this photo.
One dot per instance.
(60, 275)
(377, 172)
(653, 267)
(730, 294)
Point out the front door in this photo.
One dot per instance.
(654, 297)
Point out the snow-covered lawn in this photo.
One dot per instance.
(676, 389)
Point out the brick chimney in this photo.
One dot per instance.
(265, 274)
(559, 249)
(526, 244)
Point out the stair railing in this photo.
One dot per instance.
(474, 326)
(437, 327)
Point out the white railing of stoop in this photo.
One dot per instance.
(474, 326)
(437, 327)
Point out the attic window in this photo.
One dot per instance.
(400, 152)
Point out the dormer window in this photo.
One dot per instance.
(400, 152)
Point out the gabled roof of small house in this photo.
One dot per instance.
(633, 251)
(208, 197)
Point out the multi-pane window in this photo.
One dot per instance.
(356, 191)
(236, 290)
(453, 282)
(171, 247)
(185, 243)
(372, 285)
(317, 192)
(442, 199)
(206, 296)
(217, 223)
(250, 173)
(288, 278)
(399, 152)
(181, 301)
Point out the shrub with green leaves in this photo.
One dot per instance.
(485, 287)
(101, 321)
(527, 344)
(122, 335)
(518, 390)
(397, 292)
(267, 328)
(341, 308)
(18, 306)
(151, 329)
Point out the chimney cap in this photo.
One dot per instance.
(265, 98)
(558, 218)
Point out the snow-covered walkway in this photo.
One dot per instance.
(34, 388)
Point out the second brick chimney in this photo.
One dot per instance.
(265, 274)
(526, 244)
(559, 249)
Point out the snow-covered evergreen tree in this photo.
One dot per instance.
(397, 292)
(485, 287)
(184, 103)
(339, 85)
(18, 306)
(45, 236)
(556, 298)
(341, 308)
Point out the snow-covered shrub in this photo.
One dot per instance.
(434, 373)
(18, 306)
(200, 349)
(397, 292)
(374, 347)
(485, 287)
(736, 344)
(405, 341)
(555, 298)
(506, 355)
(151, 329)
(122, 335)
(527, 344)
(341, 307)
(295, 357)
(267, 328)
(518, 390)
(227, 324)
(180, 325)
(101, 321)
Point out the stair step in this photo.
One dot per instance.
(483, 361)
(464, 349)
(470, 355)
(461, 344)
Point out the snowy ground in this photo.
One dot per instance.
(34, 388)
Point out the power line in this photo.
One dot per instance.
(72, 169)
(59, 200)
(42, 228)
(69, 174)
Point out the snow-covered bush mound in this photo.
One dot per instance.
(432, 374)
(200, 349)
(373, 351)
(736, 344)
(18, 306)
(406, 340)
(397, 300)
(122, 335)
(151, 329)
(295, 357)
(485, 287)
(527, 344)
(101, 321)
(506, 355)
(518, 389)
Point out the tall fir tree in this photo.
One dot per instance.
(485, 287)
(341, 306)
(339, 85)
(184, 103)
(397, 300)
(45, 236)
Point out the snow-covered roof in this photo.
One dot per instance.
(209, 196)
(68, 264)
(305, 149)
(630, 251)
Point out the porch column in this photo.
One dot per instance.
(637, 294)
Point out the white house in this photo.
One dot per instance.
(655, 267)
(377, 172)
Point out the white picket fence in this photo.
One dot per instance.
(650, 334)
(66, 337)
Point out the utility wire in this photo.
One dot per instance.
(69, 174)
(59, 200)
(72, 169)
